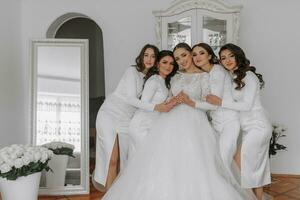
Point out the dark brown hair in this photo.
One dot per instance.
(214, 59)
(154, 70)
(182, 45)
(140, 58)
(243, 65)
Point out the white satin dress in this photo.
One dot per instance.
(155, 92)
(225, 121)
(256, 132)
(113, 119)
(180, 159)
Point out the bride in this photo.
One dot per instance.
(180, 159)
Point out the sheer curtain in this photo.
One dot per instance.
(58, 119)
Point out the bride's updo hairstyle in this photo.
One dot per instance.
(182, 45)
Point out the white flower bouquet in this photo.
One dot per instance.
(23, 160)
(60, 148)
(278, 132)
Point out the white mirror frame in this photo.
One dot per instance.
(215, 6)
(83, 188)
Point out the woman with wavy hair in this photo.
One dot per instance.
(180, 160)
(253, 158)
(115, 114)
(225, 121)
(156, 90)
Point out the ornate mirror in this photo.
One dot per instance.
(192, 21)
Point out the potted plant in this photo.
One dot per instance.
(58, 163)
(20, 171)
(277, 133)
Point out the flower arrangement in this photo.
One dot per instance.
(60, 148)
(278, 132)
(23, 160)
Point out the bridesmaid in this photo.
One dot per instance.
(256, 128)
(225, 121)
(156, 90)
(115, 114)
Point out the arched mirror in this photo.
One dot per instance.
(60, 112)
(192, 21)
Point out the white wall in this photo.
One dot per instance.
(269, 31)
(125, 28)
(12, 112)
(270, 35)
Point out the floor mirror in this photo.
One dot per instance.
(59, 111)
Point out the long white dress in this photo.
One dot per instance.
(113, 119)
(225, 121)
(155, 92)
(180, 159)
(256, 132)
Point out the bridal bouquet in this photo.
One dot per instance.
(60, 148)
(278, 132)
(23, 160)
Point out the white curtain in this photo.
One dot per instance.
(58, 119)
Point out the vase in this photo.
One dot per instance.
(58, 164)
(23, 188)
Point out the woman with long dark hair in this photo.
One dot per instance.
(156, 90)
(115, 114)
(180, 159)
(253, 158)
(225, 121)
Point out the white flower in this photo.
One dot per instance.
(37, 156)
(13, 156)
(4, 150)
(26, 160)
(10, 149)
(44, 157)
(18, 163)
(16, 156)
(4, 155)
(4, 168)
(50, 153)
(29, 156)
(19, 152)
(8, 161)
(57, 145)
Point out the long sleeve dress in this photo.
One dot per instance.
(256, 132)
(155, 92)
(180, 159)
(113, 119)
(225, 121)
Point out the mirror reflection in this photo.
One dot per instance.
(214, 32)
(58, 112)
(179, 31)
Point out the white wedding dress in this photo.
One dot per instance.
(180, 160)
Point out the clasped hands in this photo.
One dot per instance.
(173, 101)
(213, 99)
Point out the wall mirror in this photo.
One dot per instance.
(60, 110)
(192, 21)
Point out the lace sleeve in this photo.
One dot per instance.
(205, 90)
(176, 84)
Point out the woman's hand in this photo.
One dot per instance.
(174, 100)
(164, 107)
(186, 99)
(213, 99)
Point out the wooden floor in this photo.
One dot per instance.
(283, 187)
